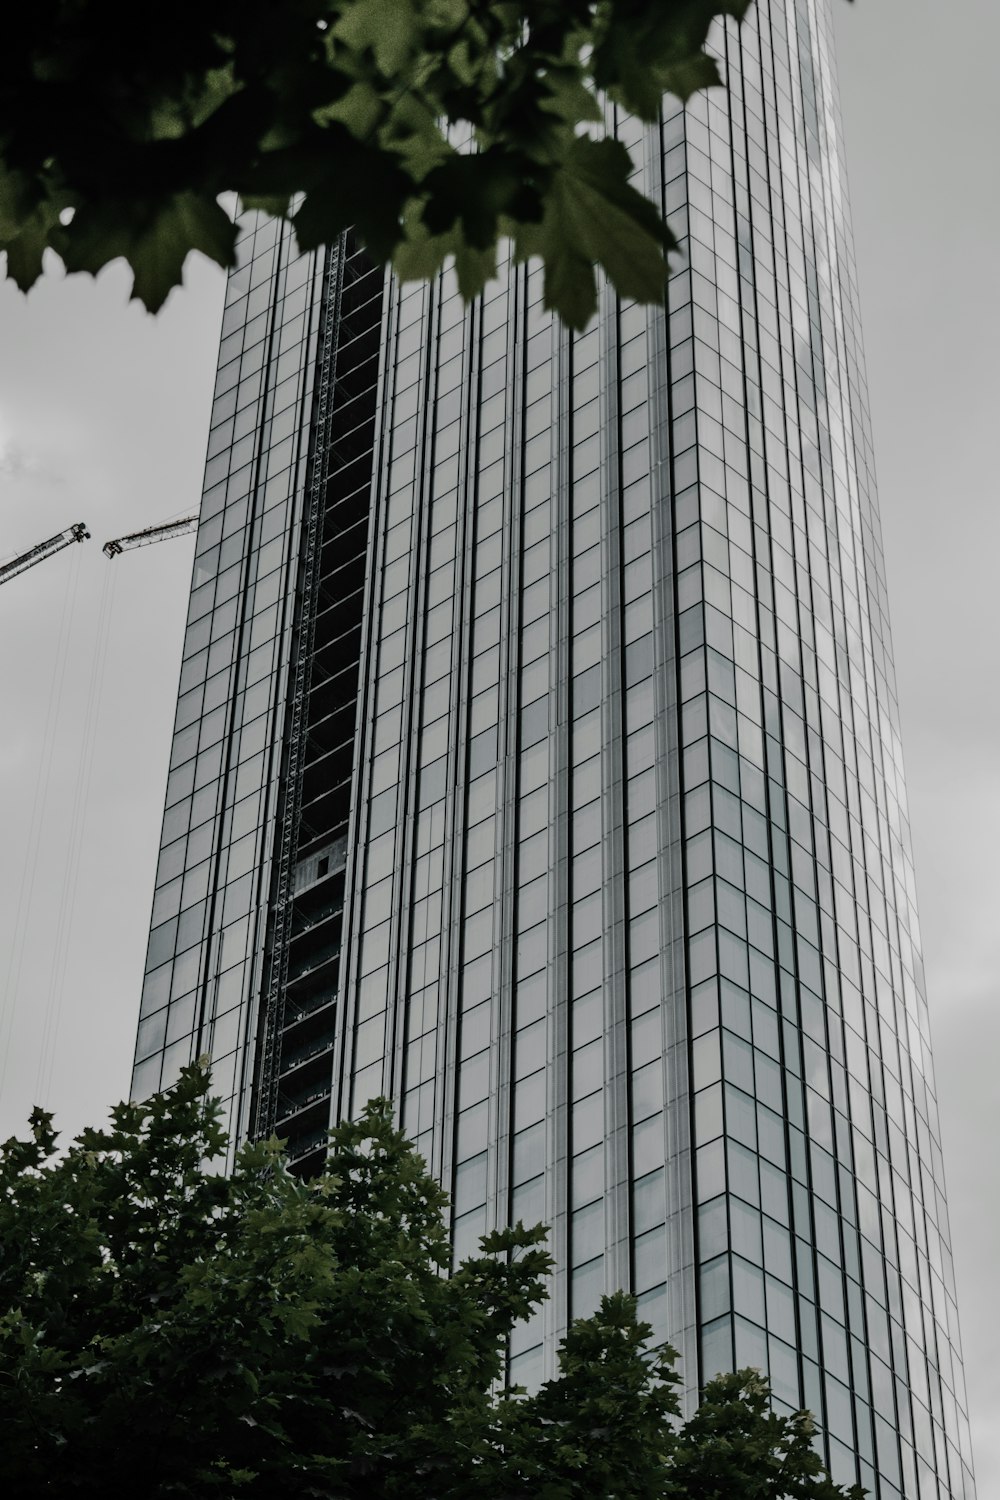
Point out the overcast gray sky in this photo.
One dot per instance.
(103, 416)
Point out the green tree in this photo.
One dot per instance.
(166, 1331)
(436, 127)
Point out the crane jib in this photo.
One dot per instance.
(76, 533)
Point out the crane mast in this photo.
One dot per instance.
(21, 564)
(149, 534)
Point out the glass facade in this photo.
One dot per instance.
(205, 959)
(537, 763)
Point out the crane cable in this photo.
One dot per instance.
(39, 804)
(76, 839)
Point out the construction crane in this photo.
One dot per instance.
(77, 533)
(150, 534)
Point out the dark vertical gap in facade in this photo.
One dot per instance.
(500, 1185)
(517, 346)
(733, 102)
(211, 948)
(621, 1199)
(410, 782)
(261, 919)
(304, 967)
(357, 869)
(405, 795)
(449, 1022)
(460, 705)
(680, 1228)
(625, 1230)
(667, 501)
(560, 719)
(464, 642)
(569, 935)
(785, 1042)
(303, 581)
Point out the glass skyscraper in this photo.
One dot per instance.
(537, 763)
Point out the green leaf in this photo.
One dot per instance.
(19, 198)
(686, 76)
(275, 204)
(360, 110)
(593, 215)
(447, 15)
(414, 138)
(618, 226)
(474, 268)
(359, 185)
(154, 239)
(38, 232)
(643, 51)
(272, 101)
(174, 116)
(420, 255)
(389, 29)
(462, 63)
(568, 97)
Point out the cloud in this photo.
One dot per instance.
(13, 460)
(20, 464)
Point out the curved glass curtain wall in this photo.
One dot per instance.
(628, 921)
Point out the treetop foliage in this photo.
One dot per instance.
(169, 1332)
(435, 127)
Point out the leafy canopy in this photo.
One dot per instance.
(169, 1332)
(435, 127)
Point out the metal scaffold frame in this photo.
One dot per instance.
(308, 594)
